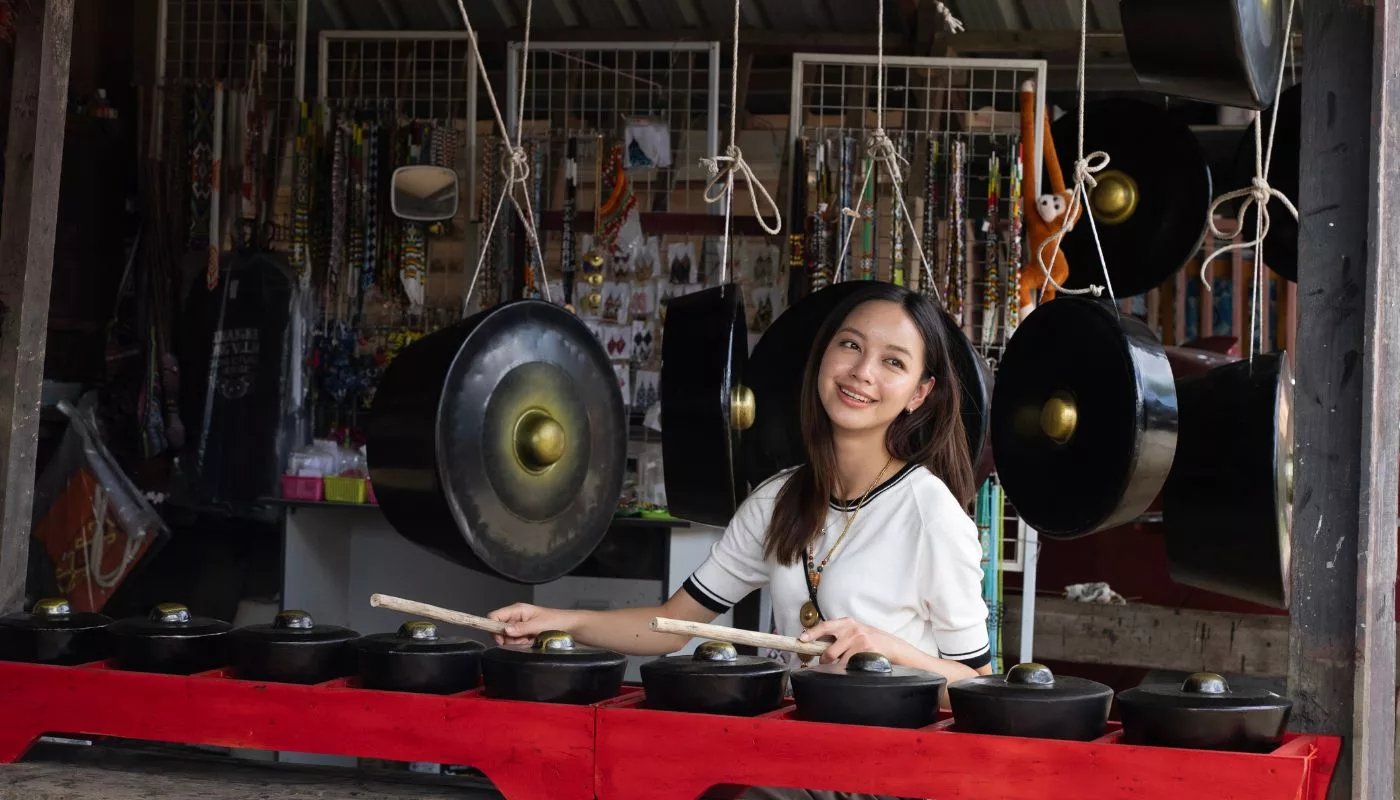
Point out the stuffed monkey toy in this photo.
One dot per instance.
(1050, 208)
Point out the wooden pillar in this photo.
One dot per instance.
(1374, 696)
(33, 162)
(1342, 621)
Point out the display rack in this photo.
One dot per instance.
(926, 100)
(419, 75)
(231, 42)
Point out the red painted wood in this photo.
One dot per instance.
(643, 754)
(620, 750)
(533, 751)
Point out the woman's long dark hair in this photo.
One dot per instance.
(932, 435)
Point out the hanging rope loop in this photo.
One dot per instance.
(723, 172)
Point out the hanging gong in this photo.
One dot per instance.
(1281, 245)
(1084, 418)
(1150, 203)
(704, 406)
(1228, 503)
(1225, 52)
(500, 442)
(780, 358)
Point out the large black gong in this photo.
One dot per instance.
(1084, 418)
(1281, 245)
(1224, 52)
(1228, 502)
(705, 405)
(500, 442)
(775, 376)
(1151, 200)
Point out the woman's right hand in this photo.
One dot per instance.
(526, 621)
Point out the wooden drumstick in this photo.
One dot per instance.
(437, 613)
(720, 633)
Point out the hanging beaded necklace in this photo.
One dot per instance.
(810, 613)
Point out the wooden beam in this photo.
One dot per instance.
(1152, 637)
(763, 42)
(1344, 436)
(1375, 692)
(745, 68)
(33, 166)
(1034, 41)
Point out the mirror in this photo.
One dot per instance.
(423, 193)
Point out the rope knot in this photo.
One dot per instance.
(1086, 166)
(880, 146)
(515, 166)
(1261, 191)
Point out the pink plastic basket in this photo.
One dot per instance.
(298, 488)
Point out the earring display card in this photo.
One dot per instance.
(616, 299)
(645, 258)
(681, 258)
(643, 340)
(643, 300)
(618, 340)
(620, 267)
(646, 389)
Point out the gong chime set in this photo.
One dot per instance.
(554, 720)
(1029, 701)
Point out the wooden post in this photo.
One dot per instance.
(33, 163)
(1342, 632)
(1375, 688)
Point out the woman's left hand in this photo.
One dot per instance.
(851, 637)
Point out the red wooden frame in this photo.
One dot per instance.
(620, 750)
(649, 754)
(533, 751)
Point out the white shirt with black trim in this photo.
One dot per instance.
(911, 565)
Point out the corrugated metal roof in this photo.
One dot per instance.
(646, 17)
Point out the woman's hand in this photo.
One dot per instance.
(850, 637)
(525, 621)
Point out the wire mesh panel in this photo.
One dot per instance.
(241, 55)
(598, 93)
(422, 74)
(391, 79)
(956, 125)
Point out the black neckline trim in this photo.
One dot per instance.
(850, 505)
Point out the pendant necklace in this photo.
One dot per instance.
(810, 613)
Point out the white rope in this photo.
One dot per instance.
(516, 165)
(1257, 194)
(882, 151)
(733, 163)
(1084, 181)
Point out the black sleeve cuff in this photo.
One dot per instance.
(975, 662)
(705, 598)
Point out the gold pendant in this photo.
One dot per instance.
(809, 616)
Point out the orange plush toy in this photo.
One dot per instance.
(1050, 209)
